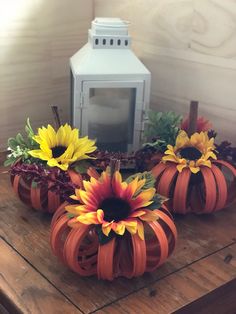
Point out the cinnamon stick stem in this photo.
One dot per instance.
(56, 116)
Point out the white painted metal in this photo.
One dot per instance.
(99, 65)
(139, 106)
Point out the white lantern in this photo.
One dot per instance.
(110, 88)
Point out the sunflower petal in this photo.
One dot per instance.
(150, 215)
(88, 218)
(143, 199)
(130, 225)
(140, 229)
(100, 216)
(76, 209)
(180, 167)
(170, 158)
(38, 153)
(106, 229)
(138, 213)
(118, 186)
(75, 148)
(118, 227)
(194, 169)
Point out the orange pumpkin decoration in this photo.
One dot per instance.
(192, 178)
(112, 231)
(41, 197)
(41, 164)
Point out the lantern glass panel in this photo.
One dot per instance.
(110, 117)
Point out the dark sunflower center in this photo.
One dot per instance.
(57, 151)
(115, 209)
(190, 153)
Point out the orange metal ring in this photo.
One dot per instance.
(35, 198)
(210, 190)
(162, 239)
(105, 260)
(16, 181)
(59, 212)
(222, 187)
(167, 179)
(181, 192)
(139, 255)
(71, 251)
(56, 237)
(158, 169)
(169, 222)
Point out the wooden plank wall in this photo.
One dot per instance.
(190, 48)
(37, 37)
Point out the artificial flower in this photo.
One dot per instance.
(203, 125)
(113, 204)
(63, 147)
(192, 152)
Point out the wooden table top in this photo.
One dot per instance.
(32, 280)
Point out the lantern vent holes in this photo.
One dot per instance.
(109, 42)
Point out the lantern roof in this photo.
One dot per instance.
(89, 61)
(107, 52)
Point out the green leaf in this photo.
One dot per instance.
(102, 238)
(81, 166)
(28, 129)
(12, 143)
(9, 161)
(69, 215)
(19, 139)
(158, 200)
(34, 185)
(147, 175)
(163, 128)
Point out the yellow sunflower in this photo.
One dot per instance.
(63, 147)
(192, 152)
(113, 204)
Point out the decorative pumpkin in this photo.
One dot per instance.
(41, 171)
(42, 189)
(39, 197)
(114, 228)
(192, 178)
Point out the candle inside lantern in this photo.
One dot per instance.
(110, 116)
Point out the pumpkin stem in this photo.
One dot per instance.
(114, 166)
(193, 113)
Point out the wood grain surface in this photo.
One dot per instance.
(37, 38)
(190, 48)
(203, 240)
(175, 291)
(26, 288)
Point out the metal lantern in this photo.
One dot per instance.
(110, 88)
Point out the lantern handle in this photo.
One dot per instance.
(111, 25)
